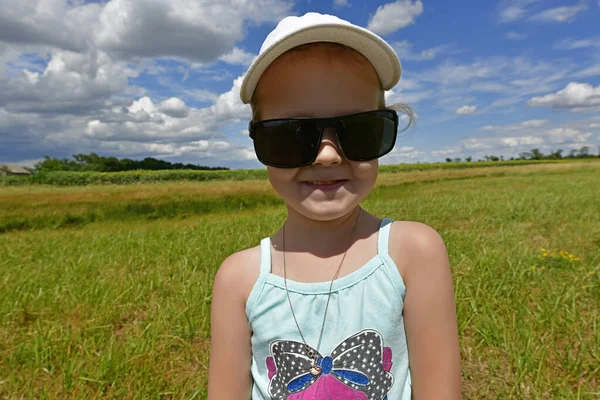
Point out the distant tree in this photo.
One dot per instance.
(583, 152)
(457, 159)
(128, 164)
(448, 159)
(512, 159)
(572, 153)
(468, 159)
(525, 155)
(95, 162)
(154, 164)
(556, 155)
(110, 164)
(55, 164)
(494, 158)
(536, 154)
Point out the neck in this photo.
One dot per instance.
(322, 238)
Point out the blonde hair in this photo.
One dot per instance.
(337, 50)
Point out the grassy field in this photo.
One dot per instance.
(105, 290)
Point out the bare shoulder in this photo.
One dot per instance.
(416, 247)
(238, 273)
(429, 310)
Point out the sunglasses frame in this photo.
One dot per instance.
(322, 123)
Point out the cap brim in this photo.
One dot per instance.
(375, 49)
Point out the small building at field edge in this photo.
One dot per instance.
(12, 169)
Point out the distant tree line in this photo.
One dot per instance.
(94, 162)
(535, 154)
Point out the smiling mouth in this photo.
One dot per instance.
(325, 182)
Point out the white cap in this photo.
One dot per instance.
(315, 27)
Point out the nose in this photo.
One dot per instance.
(330, 151)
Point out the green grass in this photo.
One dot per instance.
(118, 306)
(83, 178)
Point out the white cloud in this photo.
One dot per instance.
(174, 107)
(504, 81)
(340, 3)
(512, 13)
(514, 138)
(466, 110)
(559, 14)
(519, 126)
(520, 141)
(490, 87)
(575, 96)
(238, 56)
(171, 122)
(534, 123)
(404, 49)
(229, 107)
(401, 95)
(444, 152)
(200, 31)
(594, 70)
(393, 16)
(570, 43)
(48, 22)
(201, 95)
(402, 154)
(513, 10)
(515, 36)
(450, 72)
(513, 144)
(70, 83)
(65, 77)
(564, 135)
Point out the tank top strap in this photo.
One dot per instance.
(384, 236)
(265, 256)
(390, 267)
(264, 271)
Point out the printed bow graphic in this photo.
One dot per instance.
(358, 369)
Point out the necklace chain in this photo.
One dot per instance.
(314, 369)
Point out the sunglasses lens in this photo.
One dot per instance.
(368, 136)
(286, 144)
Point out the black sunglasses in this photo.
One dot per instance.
(295, 142)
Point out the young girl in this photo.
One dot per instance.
(338, 304)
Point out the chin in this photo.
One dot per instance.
(326, 210)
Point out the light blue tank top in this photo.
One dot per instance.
(363, 353)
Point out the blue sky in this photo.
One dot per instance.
(161, 78)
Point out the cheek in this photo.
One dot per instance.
(365, 170)
(279, 176)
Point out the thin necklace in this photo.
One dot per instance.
(315, 369)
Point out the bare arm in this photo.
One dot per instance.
(229, 376)
(430, 318)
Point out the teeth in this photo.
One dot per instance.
(322, 182)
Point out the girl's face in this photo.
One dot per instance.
(319, 85)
